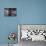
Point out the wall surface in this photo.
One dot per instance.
(28, 12)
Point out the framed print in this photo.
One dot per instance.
(9, 11)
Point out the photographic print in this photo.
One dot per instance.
(9, 11)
